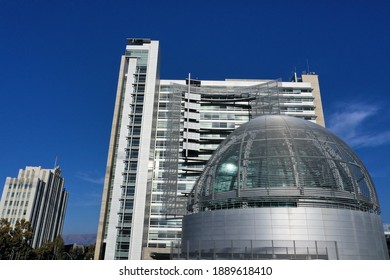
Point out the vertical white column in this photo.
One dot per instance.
(121, 154)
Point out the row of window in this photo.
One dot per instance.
(231, 125)
(16, 203)
(295, 90)
(213, 108)
(172, 223)
(295, 99)
(164, 235)
(223, 116)
(14, 212)
(17, 194)
(20, 186)
(295, 109)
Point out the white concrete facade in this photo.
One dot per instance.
(38, 196)
(135, 218)
(130, 167)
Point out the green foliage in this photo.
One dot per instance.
(15, 242)
(90, 252)
(81, 253)
(5, 240)
(76, 253)
(51, 250)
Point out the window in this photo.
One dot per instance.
(160, 144)
(161, 133)
(162, 124)
(141, 69)
(138, 109)
(135, 142)
(137, 119)
(140, 88)
(140, 78)
(134, 153)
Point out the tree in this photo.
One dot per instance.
(76, 253)
(15, 242)
(21, 239)
(53, 250)
(90, 252)
(5, 240)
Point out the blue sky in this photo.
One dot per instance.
(59, 63)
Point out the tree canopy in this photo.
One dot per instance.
(15, 244)
(15, 241)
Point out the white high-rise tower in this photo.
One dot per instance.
(38, 196)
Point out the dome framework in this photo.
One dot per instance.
(280, 187)
(282, 161)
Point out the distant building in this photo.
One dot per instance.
(38, 196)
(386, 228)
(163, 133)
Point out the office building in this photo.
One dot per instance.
(163, 133)
(386, 228)
(38, 196)
(280, 187)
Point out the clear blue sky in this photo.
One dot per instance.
(59, 63)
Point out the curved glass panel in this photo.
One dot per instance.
(273, 159)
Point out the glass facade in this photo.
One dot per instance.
(163, 133)
(193, 119)
(280, 187)
(281, 161)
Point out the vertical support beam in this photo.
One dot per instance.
(188, 250)
(295, 250)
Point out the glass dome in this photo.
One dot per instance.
(282, 161)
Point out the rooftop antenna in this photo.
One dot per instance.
(307, 66)
(295, 75)
(188, 110)
(55, 162)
